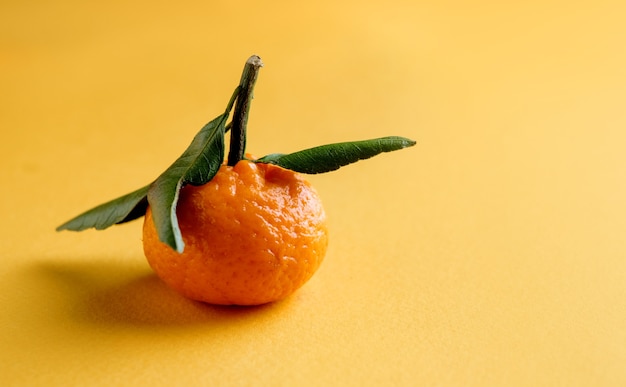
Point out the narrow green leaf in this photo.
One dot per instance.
(197, 165)
(123, 209)
(330, 157)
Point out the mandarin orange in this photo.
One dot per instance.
(253, 234)
(248, 232)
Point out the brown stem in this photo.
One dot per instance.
(242, 108)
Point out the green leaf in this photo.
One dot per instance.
(330, 157)
(123, 209)
(197, 165)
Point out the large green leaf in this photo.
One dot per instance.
(123, 209)
(330, 157)
(197, 165)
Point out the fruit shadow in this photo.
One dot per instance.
(132, 295)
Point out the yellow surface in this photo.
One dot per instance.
(492, 253)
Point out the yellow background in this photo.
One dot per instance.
(491, 253)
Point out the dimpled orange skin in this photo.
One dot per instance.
(253, 234)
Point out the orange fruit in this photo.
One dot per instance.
(253, 234)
